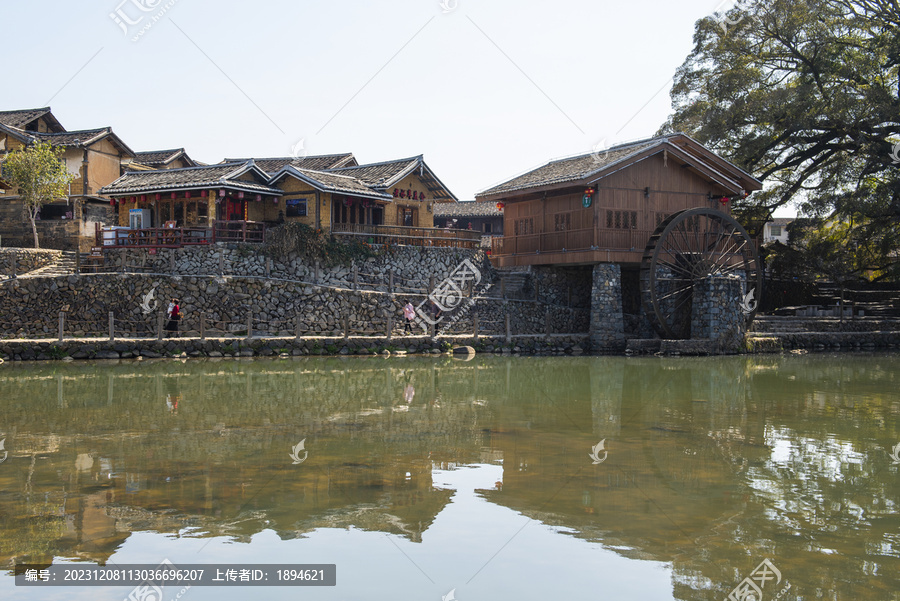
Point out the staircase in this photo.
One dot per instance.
(514, 279)
(65, 265)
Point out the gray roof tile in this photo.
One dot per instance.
(142, 182)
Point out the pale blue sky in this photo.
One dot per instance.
(485, 90)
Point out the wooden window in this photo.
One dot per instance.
(523, 227)
(562, 222)
(621, 219)
(486, 228)
(295, 207)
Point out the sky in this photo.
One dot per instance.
(484, 90)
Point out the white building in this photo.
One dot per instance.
(776, 230)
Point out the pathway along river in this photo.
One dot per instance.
(421, 478)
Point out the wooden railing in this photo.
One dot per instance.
(175, 237)
(570, 240)
(410, 236)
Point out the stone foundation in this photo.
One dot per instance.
(607, 325)
(716, 313)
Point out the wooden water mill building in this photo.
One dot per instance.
(641, 225)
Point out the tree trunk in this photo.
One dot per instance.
(32, 215)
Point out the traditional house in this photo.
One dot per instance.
(234, 197)
(94, 157)
(482, 217)
(776, 230)
(176, 158)
(603, 207)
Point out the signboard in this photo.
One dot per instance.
(586, 200)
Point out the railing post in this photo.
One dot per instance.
(62, 324)
(243, 231)
(268, 267)
(172, 261)
(508, 327)
(159, 325)
(202, 325)
(316, 280)
(391, 282)
(390, 325)
(475, 326)
(14, 260)
(430, 284)
(77, 260)
(249, 325)
(221, 262)
(547, 323)
(297, 326)
(112, 326)
(346, 321)
(355, 276)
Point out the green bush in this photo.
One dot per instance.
(300, 239)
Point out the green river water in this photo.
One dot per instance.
(434, 478)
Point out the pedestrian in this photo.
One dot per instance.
(174, 315)
(409, 312)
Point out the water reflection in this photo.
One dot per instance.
(709, 465)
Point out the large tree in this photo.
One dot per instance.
(805, 95)
(40, 176)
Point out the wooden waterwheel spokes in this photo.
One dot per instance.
(685, 249)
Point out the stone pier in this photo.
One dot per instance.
(607, 325)
(717, 315)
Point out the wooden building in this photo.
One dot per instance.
(482, 217)
(604, 206)
(93, 156)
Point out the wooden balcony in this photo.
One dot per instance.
(176, 237)
(408, 236)
(586, 245)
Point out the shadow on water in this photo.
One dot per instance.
(709, 465)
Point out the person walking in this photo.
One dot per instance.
(174, 315)
(409, 312)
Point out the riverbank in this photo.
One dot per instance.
(97, 348)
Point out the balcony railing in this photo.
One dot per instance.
(410, 236)
(175, 237)
(571, 240)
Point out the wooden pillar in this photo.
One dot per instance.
(297, 327)
(112, 326)
(202, 326)
(249, 325)
(62, 324)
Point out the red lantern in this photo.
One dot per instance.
(258, 197)
(158, 196)
(589, 191)
(724, 200)
(500, 205)
(240, 195)
(222, 193)
(274, 200)
(204, 193)
(112, 202)
(187, 194)
(174, 195)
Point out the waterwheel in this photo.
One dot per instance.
(687, 247)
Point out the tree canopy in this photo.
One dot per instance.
(805, 95)
(40, 177)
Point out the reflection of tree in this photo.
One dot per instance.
(711, 461)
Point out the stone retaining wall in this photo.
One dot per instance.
(25, 259)
(826, 341)
(23, 350)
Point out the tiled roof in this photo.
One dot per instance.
(382, 174)
(153, 158)
(212, 176)
(272, 165)
(467, 209)
(329, 181)
(73, 138)
(572, 168)
(386, 174)
(780, 220)
(21, 118)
